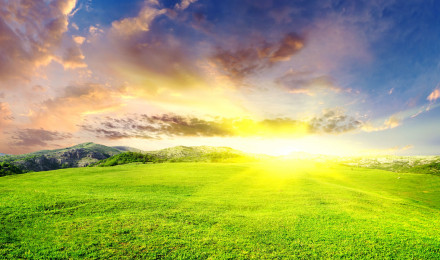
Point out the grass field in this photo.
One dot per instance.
(220, 211)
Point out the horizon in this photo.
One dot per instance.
(338, 78)
(247, 152)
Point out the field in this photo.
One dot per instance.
(279, 209)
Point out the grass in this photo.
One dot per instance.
(220, 211)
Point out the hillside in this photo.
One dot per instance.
(181, 154)
(127, 149)
(76, 156)
(199, 154)
(280, 210)
(414, 164)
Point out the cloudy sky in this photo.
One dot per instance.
(268, 76)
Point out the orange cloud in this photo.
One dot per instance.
(31, 33)
(129, 27)
(65, 111)
(391, 122)
(184, 4)
(434, 95)
(5, 114)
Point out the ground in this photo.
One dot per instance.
(278, 209)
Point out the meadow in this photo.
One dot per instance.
(260, 210)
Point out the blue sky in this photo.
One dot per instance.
(332, 77)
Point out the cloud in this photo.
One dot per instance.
(78, 39)
(391, 122)
(129, 27)
(391, 150)
(243, 62)
(434, 95)
(38, 88)
(334, 121)
(289, 45)
(169, 125)
(5, 114)
(64, 111)
(144, 54)
(31, 32)
(184, 4)
(73, 58)
(37, 137)
(301, 82)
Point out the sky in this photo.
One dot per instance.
(270, 76)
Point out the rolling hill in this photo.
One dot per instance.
(181, 154)
(414, 164)
(76, 156)
(91, 154)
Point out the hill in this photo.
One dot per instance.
(181, 154)
(199, 154)
(76, 156)
(414, 164)
(280, 210)
(127, 149)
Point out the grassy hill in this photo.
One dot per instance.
(75, 156)
(414, 164)
(88, 154)
(181, 154)
(127, 149)
(277, 210)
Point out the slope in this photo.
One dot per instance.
(75, 156)
(182, 154)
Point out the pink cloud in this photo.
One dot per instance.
(434, 95)
(31, 34)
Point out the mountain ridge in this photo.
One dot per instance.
(87, 154)
(75, 156)
(181, 154)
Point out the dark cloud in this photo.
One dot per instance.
(31, 32)
(37, 137)
(153, 127)
(333, 121)
(73, 58)
(156, 127)
(306, 82)
(246, 61)
(289, 45)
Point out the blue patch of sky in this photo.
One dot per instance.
(104, 12)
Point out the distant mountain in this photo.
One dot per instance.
(1, 154)
(204, 154)
(182, 154)
(196, 153)
(127, 149)
(76, 156)
(91, 154)
(414, 164)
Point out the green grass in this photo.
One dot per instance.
(220, 211)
